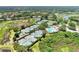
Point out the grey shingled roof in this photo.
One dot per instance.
(38, 33)
(27, 40)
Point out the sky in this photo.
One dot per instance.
(39, 2)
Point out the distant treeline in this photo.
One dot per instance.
(40, 8)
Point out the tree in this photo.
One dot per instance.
(17, 34)
(43, 26)
(19, 48)
(72, 26)
(31, 21)
(52, 17)
(62, 28)
(60, 41)
(65, 21)
(60, 20)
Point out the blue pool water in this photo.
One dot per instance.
(50, 30)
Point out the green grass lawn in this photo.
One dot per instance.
(35, 48)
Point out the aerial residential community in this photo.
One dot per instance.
(39, 29)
